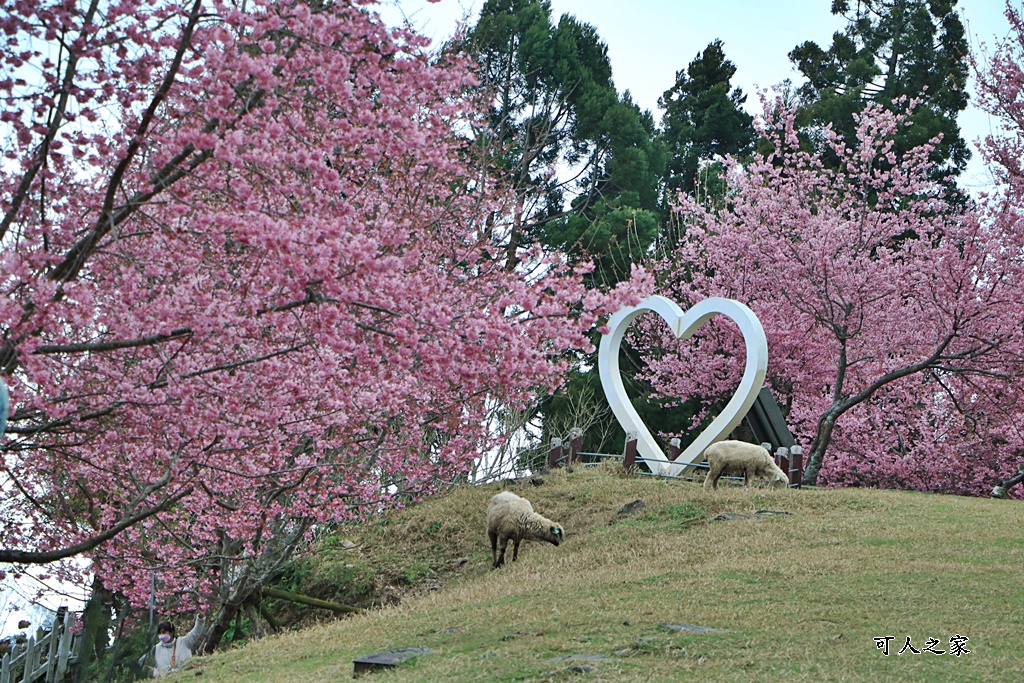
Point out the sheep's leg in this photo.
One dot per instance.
(501, 552)
(515, 548)
(494, 548)
(711, 481)
(748, 476)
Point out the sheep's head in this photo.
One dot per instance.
(555, 534)
(778, 479)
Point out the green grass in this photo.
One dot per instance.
(795, 597)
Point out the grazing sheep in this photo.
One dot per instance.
(512, 517)
(739, 457)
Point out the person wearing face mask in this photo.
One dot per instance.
(170, 653)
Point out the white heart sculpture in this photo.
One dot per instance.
(4, 404)
(683, 326)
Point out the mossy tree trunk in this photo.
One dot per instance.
(96, 627)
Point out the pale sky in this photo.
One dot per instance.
(649, 40)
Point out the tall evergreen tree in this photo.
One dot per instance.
(612, 219)
(550, 87)
(614, 223)
(586, 162)
(704, 118)
(890, 49)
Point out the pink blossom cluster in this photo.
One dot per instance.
(892, 316)
(252, 282)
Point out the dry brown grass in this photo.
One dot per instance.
(797, 597)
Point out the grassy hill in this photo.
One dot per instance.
(800, 596)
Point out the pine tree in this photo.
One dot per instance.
(549, 87)
(613, 219)
(891, 49)
(704, 118)
(586, 164)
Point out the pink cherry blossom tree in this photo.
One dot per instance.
(251, 283)
(893, 341)
(1000, 85)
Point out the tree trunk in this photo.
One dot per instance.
(95, 627)
(306, 600)
(1001, 488)
(821, 443)
(123, 609)
(268, 616)
(221, 623)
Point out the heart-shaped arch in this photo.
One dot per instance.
(683, 326)
(4, 404)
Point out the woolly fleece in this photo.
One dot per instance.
(738, 457)
(512, 517)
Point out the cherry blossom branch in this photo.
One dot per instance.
(48, 556)
(100, 347)
(56, 120)
(54, 425)
(236, 364)
(76, 257)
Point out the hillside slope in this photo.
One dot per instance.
(800, 593)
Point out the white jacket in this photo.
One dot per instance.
(170, 657)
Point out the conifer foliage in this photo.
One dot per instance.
(891, 50)
(704, 118)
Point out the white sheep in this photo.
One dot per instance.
(739, 457)
(512, 517)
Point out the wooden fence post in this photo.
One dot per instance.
(64, 654)
(629, 457)
(575, 444)
(796, 469)
(57, 636)
(555, 454)
(673, 448)
(782, 456)
(30, 659)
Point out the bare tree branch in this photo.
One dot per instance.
(47, 556)
(99, 347)
(77, 255)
